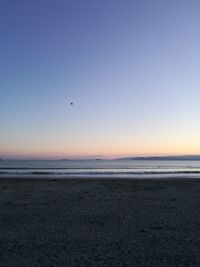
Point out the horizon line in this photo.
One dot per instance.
(2, 158)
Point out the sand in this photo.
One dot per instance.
(85, 222)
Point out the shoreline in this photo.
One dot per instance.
(99, 222)
(75, 177)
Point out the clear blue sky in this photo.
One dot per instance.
(131, 67)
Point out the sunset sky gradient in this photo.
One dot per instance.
(131, 67)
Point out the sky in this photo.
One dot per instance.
(131, 68)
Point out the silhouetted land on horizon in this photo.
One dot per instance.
(184, 157)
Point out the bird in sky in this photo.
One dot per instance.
(71, 103)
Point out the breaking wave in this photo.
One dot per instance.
(99, 173)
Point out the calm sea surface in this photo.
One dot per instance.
(100, 168)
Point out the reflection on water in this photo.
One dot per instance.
(100, 168)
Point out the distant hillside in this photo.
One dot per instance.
(185, 157)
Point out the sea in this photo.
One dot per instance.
(124, 168)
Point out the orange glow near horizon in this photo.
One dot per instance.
(56, 154)
(106, 146)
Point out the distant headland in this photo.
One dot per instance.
(184, 157)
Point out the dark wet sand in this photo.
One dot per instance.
(99, 222)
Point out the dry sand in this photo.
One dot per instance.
(99, 222)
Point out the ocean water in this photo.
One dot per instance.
(100, 168)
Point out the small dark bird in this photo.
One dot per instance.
(71, 103)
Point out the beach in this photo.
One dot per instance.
(99, 222)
